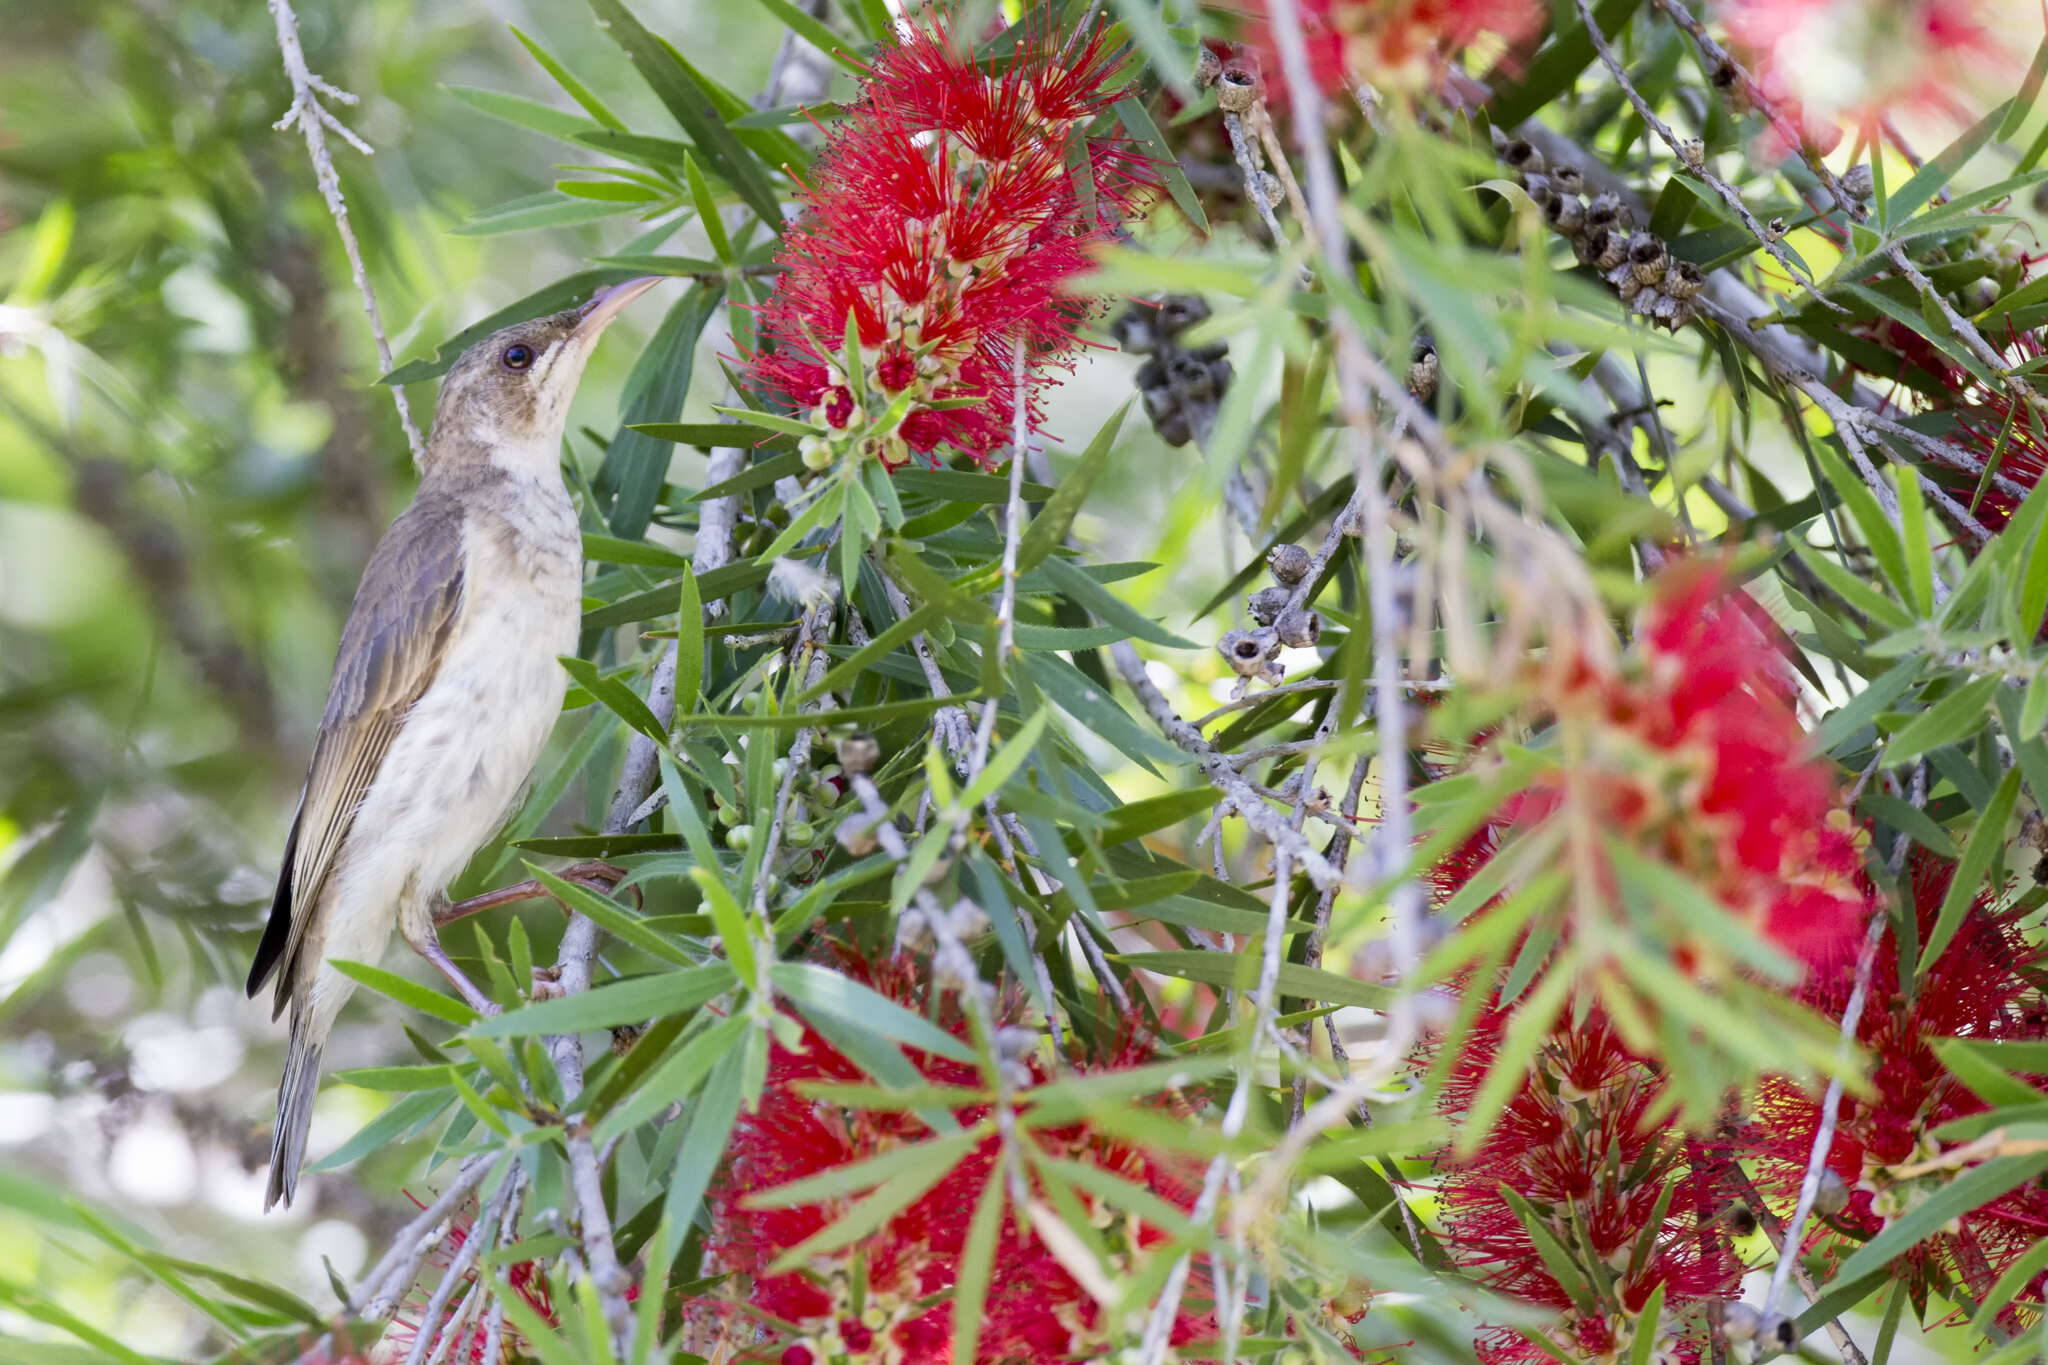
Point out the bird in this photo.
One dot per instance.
(446, 685)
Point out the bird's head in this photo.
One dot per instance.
(507, 399)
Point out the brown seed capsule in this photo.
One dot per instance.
(1248, 650)
(1646, 258)
(858, 752)
(1726, 74)
(1422, 377)
(1568, 178)
(1237, 89)
(1289, 563)
(1625, 283)
(1192, 379)
(623, 1038)
(1299, 629)
(1588, 243)
(1265, 605)
(1523, 156)
(1566, 213)
(1173, 428)
(1178, 312)
(1208, 66)
(1613, 252)
(1541, 192)
(1133, 331)
(1684, 280)
(1603, 212)
(1858, 182)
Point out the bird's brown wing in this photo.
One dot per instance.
(391, 648)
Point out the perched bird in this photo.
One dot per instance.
(445, 688)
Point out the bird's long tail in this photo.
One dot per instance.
(294, 1108)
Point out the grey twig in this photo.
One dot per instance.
(388, 1280)
(314, 121)
(1830, 1114)
(481, 1233)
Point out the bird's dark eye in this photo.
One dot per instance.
(518, 356)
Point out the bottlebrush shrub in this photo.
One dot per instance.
(1984, 988)
(942, 220)
(886, 1296)
(1582, 1201)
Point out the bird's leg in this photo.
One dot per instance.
(427, 944)
(598, 876)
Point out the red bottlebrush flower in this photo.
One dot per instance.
(528, 1279)
(1692, 754)
(1389, 45)
(1986, 986)
(943, 217)
(1035, 1309)
(1825, 63)
(1581, 1142)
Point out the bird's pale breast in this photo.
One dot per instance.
(470, 742)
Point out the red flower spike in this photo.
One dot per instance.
(943, 219)
(1035, 1310)
(1692, 753)
(1579, 1142)
(1984, 986)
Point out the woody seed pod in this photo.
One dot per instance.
(1858, 182)
(1684, 280)
(1566, 212)
(1237, 89)
(1646, 258)
(1192, 379)
(1613, 253)
(1265, 605)
(1568, 178)
(1523, 156)
(1178, 312)
(1422, 376)
(1541, 192)
(1604, 211)
(1299, 629)
(1208, 66)
(1248, 650)
(1833, 1195)
(1290, 563)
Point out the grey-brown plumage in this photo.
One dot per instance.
(445, 688)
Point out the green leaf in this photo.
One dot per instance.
(1049, 528)
(689, 679)
(814, 988)
(1171, 60)
(611, 550)
(2017, 1277)
(535, 211)
(1939, 169)
(408, 993)
(1084, 591)
(524, 113)
(869, 1172)
(977, 1266)
(1137, 121)
(815, 33)
(1005, 762)
(1863, 708)
(1913, 537)
(632, 1001)
(865, 1218)
(1945, 722)
(1970, 1190)
(1644, 1345)
(615, 919)
(571, 87)
(674, 84)
(710, 1127)
(617, 698)
(1987, 841)
(1557, 66)
(388, 1127)
(1222, 969)
(734, 930)
(1563, 1269)
(674, 1080)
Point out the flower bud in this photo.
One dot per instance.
(1290, 563)
(817, 453)
(1299, 629)
(800, 833)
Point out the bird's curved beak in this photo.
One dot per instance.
(605, 304)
